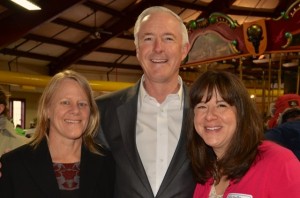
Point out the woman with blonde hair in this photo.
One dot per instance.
(62, 160)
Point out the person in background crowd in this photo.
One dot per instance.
(283, 102)
(226, 147)
(287, 130)
(144, 125)
(62, 160)
(9, 139)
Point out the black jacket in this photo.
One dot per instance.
(29, 173)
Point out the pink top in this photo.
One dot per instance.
(275, 175)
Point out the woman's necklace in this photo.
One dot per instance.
(213, 193)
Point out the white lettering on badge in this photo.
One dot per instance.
(238, 195)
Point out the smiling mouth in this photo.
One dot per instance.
(212, 128)
(73, 121)
(159, 60)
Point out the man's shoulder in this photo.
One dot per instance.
(112, 95)
(117, 95)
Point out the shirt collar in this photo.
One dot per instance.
(143, 93)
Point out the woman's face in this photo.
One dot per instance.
(69, 111)
(215, 121)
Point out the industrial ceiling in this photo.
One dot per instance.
(97, 35)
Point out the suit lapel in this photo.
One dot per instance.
(127, 115)
(39, 164)
(87, 174)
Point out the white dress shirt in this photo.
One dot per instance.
(157, 132)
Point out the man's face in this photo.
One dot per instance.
(160, 48)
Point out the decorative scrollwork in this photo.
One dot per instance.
(215, 17)
(234, 46)
(290, 12)
(289, 38)
(219, 17)
(195, 24)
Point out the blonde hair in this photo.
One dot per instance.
(42, 128)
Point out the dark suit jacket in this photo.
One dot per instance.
(29, 173)
(118, 122)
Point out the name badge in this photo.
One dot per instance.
(238, 195)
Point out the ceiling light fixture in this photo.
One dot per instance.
(27, 4)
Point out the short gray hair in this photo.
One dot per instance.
(154, 9)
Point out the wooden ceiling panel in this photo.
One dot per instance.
(118, 5)
(119, 43)
(48, 29)
(101, 57)
(45, 48)
(72, 35)
(256, 4)
(198, 2)
(77, 13)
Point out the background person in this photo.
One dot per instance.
(228, 156)
(287, 130)
(62, 160)
(144, 125)
(9, 139)
(283, 102)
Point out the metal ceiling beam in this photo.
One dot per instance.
(22, 21)
(72, 24)
(109, 65)
(44, 39)
(102, 8)
(18, 53)
(116, 51)
(67, 44)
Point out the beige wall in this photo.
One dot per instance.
(31, 100)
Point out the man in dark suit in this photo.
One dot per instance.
(144, 126)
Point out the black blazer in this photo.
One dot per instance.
(118, 122)
(29, 173)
